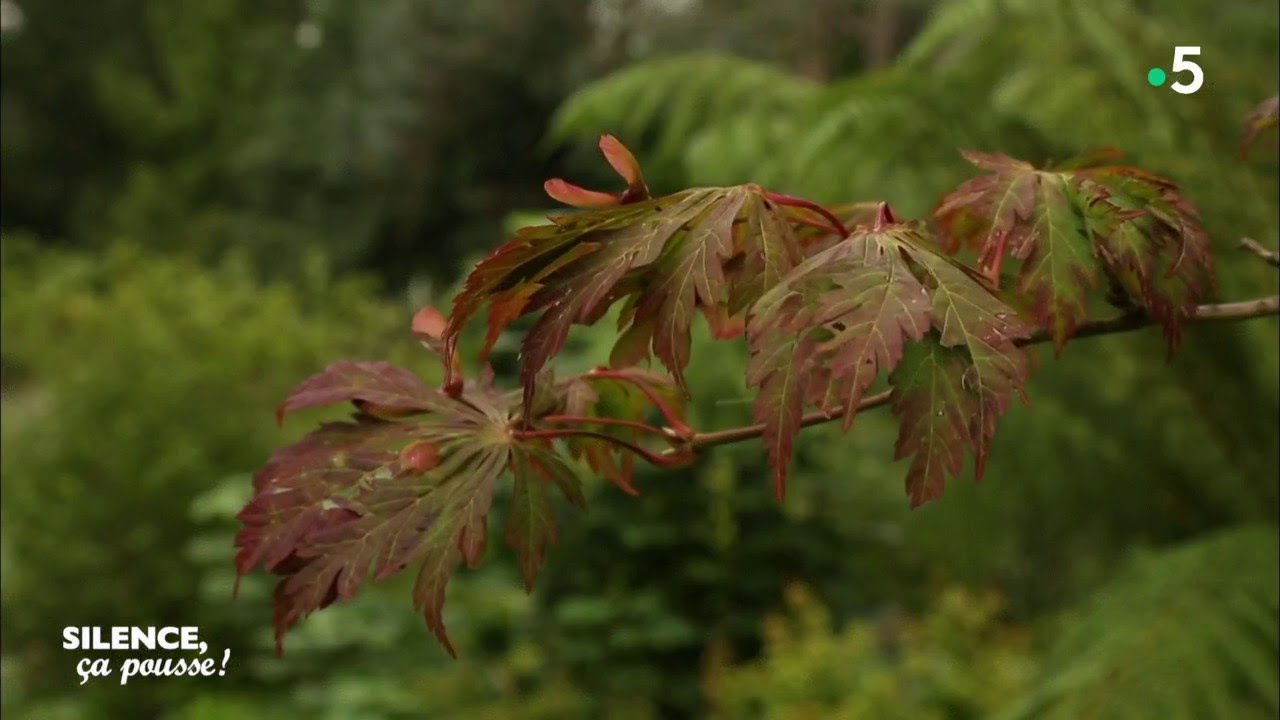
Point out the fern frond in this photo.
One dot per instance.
(662, 105)
(1189, 632)
(950, 22)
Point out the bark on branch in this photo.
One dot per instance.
(1221, 312)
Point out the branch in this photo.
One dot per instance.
(1223, 312)
(1271, 257)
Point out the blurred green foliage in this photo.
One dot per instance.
(391, 136)
(958, 660)
(1188, 631)
(189, 198)
(139, 382)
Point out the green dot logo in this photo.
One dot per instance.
(1155, 77)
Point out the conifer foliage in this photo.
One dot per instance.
(841, 309)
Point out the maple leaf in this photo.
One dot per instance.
(1073, 227)
(377, 388)
(531, 522)
(1150, 239)
(372, 497)
(930, 396)
(844, 316)
(714, 250)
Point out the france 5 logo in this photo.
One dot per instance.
(1157, 76)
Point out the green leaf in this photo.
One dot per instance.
(1192, 627)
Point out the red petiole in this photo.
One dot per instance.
(836, 226)
(658, 459)
(678, 426)
(589, 420)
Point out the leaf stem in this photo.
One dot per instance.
(678, 426)
(809, 222)
(590, 420)
(1221, 312)
(669, 458)
(836, 226)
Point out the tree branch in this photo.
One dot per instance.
(1271, 257)
(1223, 312)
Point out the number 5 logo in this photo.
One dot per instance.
(1181, 63)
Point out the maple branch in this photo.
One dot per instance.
(1242, 310)
(836, 226)
(1271, 257)
(1221, 312)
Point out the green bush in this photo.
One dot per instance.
(131, 385)
(958, 661)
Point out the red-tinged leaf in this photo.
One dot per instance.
(626, 165)
(579, 197)
(1151, 242)
(1074, 227)
(995, 209)
(1093, 158)
(967, 315)
(429, 324)
(1028, 214)
(709, 249)
(379, 384)
(1058, 265)
(930, 398)
(531, 523)
(781, 370)
(843, 317)
(504, 308)
(438, 565)
(367, 499)
(1265, 116)
(823, 334)
(623, 162)
(966, 376)
(727, 327)
(632, 346)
